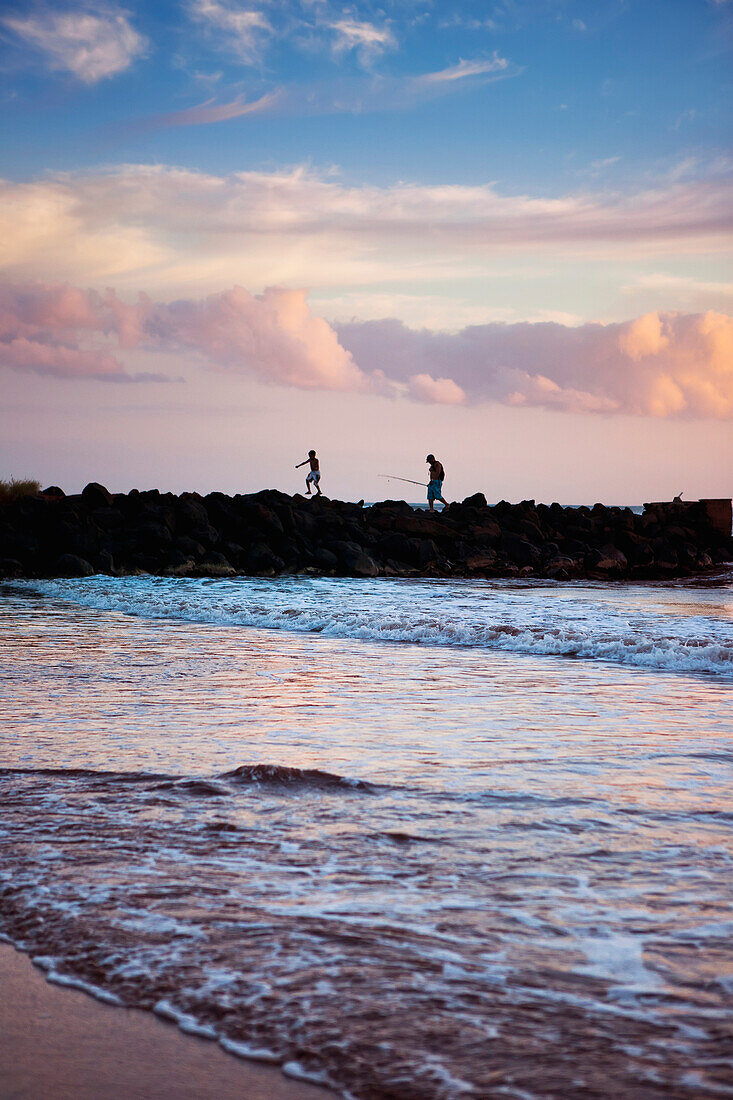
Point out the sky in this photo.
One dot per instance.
(498, 232)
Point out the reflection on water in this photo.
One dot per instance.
(529, 894)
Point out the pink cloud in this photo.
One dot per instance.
(53, 329)
(59, 360)
(153, 225)
(210, 111)
(658, 365)
(272, 335)
(435, 391)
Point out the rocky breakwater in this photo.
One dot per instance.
(270, 533)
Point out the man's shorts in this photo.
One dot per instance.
(435, 490)
(314, 476)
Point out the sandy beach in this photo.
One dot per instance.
(60, 1043)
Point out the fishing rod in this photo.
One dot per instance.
(393, 477)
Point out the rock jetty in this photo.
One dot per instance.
(270, 533)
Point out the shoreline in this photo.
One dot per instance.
(60, 1043)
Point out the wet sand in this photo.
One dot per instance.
(58, 1043)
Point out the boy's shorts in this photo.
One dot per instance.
(314, 476)
(435, 490)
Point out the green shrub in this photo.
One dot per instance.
(18, 487)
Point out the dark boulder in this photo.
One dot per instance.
(104, 562)
(190, 513)
(530, 531)
(362, 565)
(95, 495)
(262, 561)
(400, 548)
(484, 531)
(353, 560)
(189, 547)
(152, 535)
(325, 559)
(234, 554)
(605, 565)
(53, 491)
(519, 550)
(665, 556)
(427, 553)
(481, 565)
(208, 536)
(214, 564)
(573, 547)
(109, 519)
(71, 565)
(264, 520)
(561, 568)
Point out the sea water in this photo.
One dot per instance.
(408, 838)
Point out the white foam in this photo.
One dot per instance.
(300, 1073)
(186, 1022)
(619, 958)
(245, 1050)
(86, 987)
(590, 623)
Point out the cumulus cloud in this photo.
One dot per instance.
(73, 333)
(160, 227)
(273, 336)
(92, 44)
(658, 365)
(435, 391)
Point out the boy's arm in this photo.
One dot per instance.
(301, 464)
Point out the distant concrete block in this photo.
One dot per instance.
(720, 513)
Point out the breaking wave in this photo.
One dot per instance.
(277, 776)
(621, 625)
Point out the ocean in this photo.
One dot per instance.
(413, 839)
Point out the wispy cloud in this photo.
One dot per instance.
(475, 67)
(91, 43)
(598, 166)
(184, 229)
(243, 31)
(684, 282)
(684, 292)
(367, 39)
(211, 111)
(684, 117)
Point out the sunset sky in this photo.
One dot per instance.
(500, 232)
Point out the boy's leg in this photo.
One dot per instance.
(307, 487)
